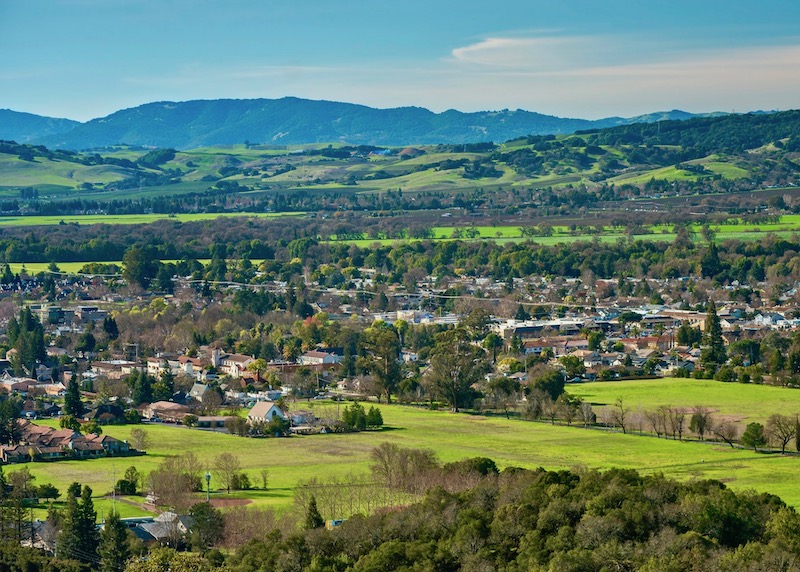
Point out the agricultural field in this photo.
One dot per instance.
(561, 234)
(452, 437)
(746, 403)
(45, 220)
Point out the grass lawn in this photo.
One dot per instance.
(453, 437)
(45, 220)
(747, 402)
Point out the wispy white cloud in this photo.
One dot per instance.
(546, 52)
(562, 75)
(618, 76)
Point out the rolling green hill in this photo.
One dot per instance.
(691, 157)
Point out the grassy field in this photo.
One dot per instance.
(45, 220)
(61, 177)
(452, 436)
(784, 228)
(746, 402)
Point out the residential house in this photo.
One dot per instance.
(13, 384)
(166, 411)
(212, 421)
(109, 444)
(317, 357)
(233, 365)
(198, 390)
(115, 368)
(42, 443)
(769, 319)
(105, 413)
(167, 527)
(265, 412)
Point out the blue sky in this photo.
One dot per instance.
(581, 58)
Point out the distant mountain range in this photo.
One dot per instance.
(27, 127)
(290, 120)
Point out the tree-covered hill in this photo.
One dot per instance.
(290, 120)
(729, 133)
(27, 127)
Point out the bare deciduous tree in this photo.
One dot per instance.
(728, 431)
(701, 421)
(174, 481)
(243, 524)
(781, 429)
(227, 466)
(139, 439)
(677, 422)
(620, 414)
(654, 419)
(264, 473)
(587, 415)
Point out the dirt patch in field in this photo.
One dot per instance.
(225, 503)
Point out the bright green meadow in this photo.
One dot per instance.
(452, 436)
(47, 220)
(745, 402)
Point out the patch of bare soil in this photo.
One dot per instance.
(225, 503)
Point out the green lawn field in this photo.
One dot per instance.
(452, 436)
(45, 220)
(747, 402)
(784, 228)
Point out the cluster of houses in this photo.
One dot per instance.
(211, 363)
(41, 443)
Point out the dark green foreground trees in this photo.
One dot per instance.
(515, 520)
(562, 521)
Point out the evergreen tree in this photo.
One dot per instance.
(355, 417)
(141, 387)
(110, 328)
(68, 544)
(374, 417)
(165, 386)
(114, 549)
(88, 537)
(710, 264)
(72, 399)
(208, 526)
(713, 354)
(9, 428)
(521, 313)
(79, 538)
(754, 436)
(313, 517)
(687, 335)
(26, 335)
(8, 276)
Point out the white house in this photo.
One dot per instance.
(264, 412)
(316, 357)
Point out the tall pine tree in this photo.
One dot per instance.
(713, 354)
(26, 336)
(79, 538)
(72, 399)
(114, 549)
